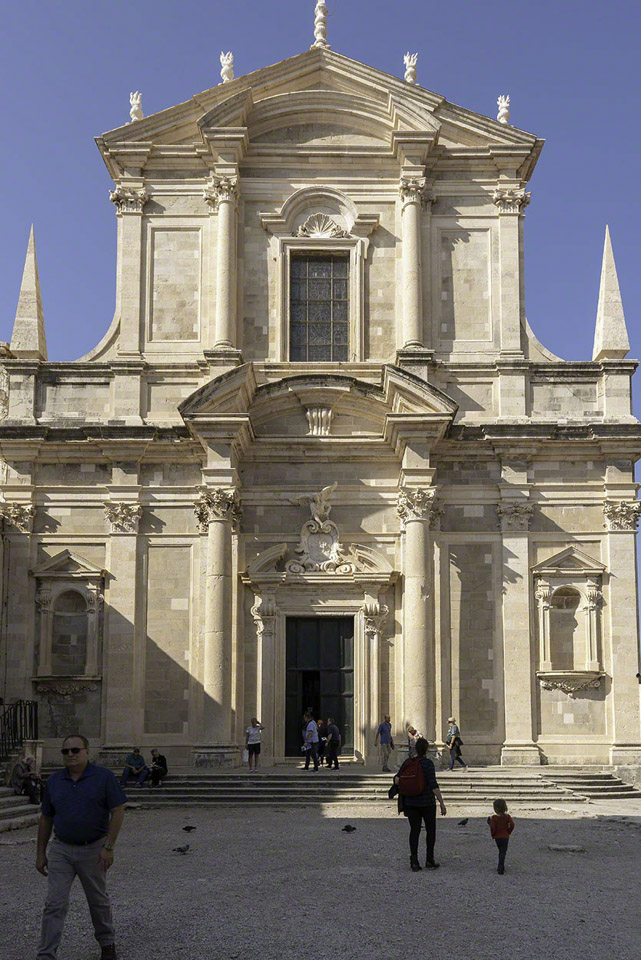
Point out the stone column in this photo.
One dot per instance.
(511, 204)
(412, 192)
(264, 613)
(519, 747)
(374, 615)
(217, 509)
(122, 706)
(222, 195)
(542, 595)
(418, 510)
(621, 521)
(594, 598)
(129, 200)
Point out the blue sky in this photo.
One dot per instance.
(66, 69)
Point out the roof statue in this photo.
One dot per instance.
(227, 64)
(320, 25)
(410, 60)
(135, 102)
(28, 338)
(503, 104)
(611, 336)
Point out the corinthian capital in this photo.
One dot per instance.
(419, 504)
(621, 514)
(128, 199)
(216, 504)
(515, 515)
(123, 517)
(511, 201)
(374, 616)
(413, 190)
(18, 515)
(221, 190)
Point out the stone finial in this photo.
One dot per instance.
(503, 103)
(320, 25)
(135, 102)
(28, 339)
(611, 336)
(227, 66)
(410, 60)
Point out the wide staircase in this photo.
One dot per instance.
(547, 785)
(15, 811)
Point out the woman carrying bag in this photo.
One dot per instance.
(418, 790)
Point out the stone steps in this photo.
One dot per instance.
(16, 812)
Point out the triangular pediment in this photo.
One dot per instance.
(67, 563)
(570, 560)
(337, 96)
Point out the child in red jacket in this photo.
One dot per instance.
(501, 826)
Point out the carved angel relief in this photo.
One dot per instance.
(320, 549)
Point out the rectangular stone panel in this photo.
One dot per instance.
(175, 278)
(74, 399)
(465, 285)
(472, 629)
(166, 676)
(565, 399)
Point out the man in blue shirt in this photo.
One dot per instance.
(384, 737)
(84, 807)
(135, 767)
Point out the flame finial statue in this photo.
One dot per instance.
(227, 65)
(135, 102)
(503, 104)
(320, 25)
(410, 60)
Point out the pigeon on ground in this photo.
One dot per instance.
(189, 828)
(463, 822)
(182, 849)
(349, 828)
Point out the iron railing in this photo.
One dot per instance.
(18, 722)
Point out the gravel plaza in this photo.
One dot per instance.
(273, 883)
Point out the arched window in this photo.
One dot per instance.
(567, 641)
(69, 634)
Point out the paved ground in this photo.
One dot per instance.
(276, 884)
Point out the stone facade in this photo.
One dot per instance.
(166, 499)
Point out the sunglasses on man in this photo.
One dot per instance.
(65, 750)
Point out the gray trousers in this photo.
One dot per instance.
(65, 863)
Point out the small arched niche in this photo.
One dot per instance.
(69, 634)
(567, 639)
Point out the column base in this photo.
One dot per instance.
(629, 755)
(219, 755)
(520, 755)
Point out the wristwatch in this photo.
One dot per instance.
(108, 846)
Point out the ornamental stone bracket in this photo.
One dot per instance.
(570, 681)
(510, 201)
(217, 504)
(128, 199)
(18, 515)
(123, 517)
(621, 514)
(220, 190)
(264, 613)
(374, 616)
(419, 504)
(514, 516)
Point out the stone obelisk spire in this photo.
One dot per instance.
(28, 338)
(320, 26)
(611, 336)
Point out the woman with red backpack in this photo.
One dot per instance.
(418, 792)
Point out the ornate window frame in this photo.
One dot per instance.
(68, 571)
(317, 220)
(574, 569)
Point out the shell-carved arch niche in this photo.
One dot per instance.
(69, 597)
(312, 220)
(569, 597)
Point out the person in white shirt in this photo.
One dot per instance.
(252, 742)
(311, 742)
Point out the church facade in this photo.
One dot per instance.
(320, 459)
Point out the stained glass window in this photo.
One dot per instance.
(319, 307)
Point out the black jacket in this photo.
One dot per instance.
(426, 798)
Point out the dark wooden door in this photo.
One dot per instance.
(320, 677)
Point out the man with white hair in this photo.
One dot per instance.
(25, 780)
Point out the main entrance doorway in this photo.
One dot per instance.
(320, 676)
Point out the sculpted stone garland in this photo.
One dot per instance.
(217, 504)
